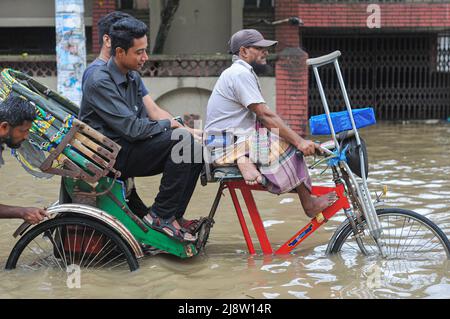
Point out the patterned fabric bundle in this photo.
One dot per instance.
(54, 117)
(276, 159)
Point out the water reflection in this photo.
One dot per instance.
(417, 177)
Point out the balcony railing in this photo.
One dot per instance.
(157, 65)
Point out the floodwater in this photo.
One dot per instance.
(413, 160)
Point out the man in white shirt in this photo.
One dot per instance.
(237, 106)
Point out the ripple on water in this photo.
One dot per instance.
(270, 295)
(431, 196)
(276, 268)
(321, 264)
(438, 291)
(298, 282)
(299, 294)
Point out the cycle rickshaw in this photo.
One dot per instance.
(93, 226)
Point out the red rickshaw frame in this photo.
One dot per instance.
(246, 191)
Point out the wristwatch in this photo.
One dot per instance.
(179, 120)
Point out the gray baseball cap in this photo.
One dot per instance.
(248, 37)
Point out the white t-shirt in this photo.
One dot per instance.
(236, 88)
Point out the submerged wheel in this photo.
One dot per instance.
(66, 241)
(406, 235)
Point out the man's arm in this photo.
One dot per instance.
(31, 215)
(272, 121)
(156, 113)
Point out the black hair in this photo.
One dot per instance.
(16, 110)
(123, 33)
(105, 23)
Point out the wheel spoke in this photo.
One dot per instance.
(105, 254)
(68, 243)
(404, 233)
(37, 260)
(111, 260)
(119, 264)
(75, 245)
(71, 240)
(411, 240)
(98, 254)
(93, 249)
(52, 240)
(86, 247)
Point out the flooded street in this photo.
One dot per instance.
(412, 160)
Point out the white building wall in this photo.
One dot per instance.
(34, 13)
(199, 26)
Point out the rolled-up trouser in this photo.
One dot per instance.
(154, 156)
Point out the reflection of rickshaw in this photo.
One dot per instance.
(93, 226)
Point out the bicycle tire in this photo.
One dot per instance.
(63, 227)
(408, 216)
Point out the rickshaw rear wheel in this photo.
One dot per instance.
(71, 241)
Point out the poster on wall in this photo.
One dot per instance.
(70, 47)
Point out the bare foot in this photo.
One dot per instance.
(249, 171)
(317, 204)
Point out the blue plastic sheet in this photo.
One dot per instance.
(341, 121)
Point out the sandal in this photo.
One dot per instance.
(167, 227)
(191, 226)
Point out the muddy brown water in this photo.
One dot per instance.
(413, 160)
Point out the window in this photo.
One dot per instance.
(259, 3)
(443, 53)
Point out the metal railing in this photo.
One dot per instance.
(195, 65)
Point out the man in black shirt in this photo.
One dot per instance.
(16, 116)
(112, 104)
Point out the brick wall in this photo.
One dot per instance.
(100, 8)
(392, 15)
(286, 34)
(292, 88)
(291, 71)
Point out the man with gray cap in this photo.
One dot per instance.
(236, 108)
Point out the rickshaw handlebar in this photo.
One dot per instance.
(327, 146)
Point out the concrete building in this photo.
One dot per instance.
(395, 52)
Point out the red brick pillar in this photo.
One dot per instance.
(100, 8)
(291, 72)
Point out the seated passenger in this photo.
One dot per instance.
(154, 112)
(237, 106)
(113, 105)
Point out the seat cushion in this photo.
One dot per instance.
(226, 173)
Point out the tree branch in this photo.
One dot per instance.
(167, 16)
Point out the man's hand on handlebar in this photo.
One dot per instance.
(308, 148)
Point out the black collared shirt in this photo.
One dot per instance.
(1, 158)
(112, 104)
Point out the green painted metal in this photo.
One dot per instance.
(151, 237)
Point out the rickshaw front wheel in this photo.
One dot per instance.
(405, 235)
